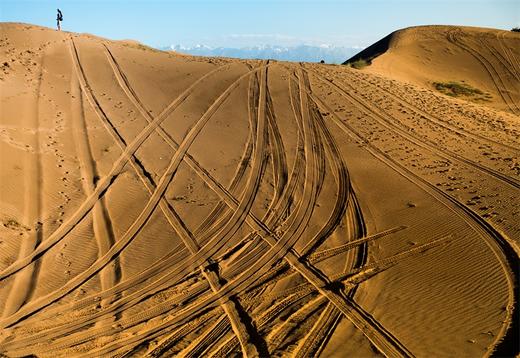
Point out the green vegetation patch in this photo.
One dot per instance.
(359, 64)
(458, 89)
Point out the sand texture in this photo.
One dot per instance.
(156, 204)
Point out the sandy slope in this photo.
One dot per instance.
(486, 59)
(157, 204)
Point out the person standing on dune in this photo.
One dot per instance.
(59, 18)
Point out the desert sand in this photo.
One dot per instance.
(158, 204)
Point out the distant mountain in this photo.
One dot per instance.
(305, 53)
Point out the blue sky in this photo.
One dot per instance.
(237, 23)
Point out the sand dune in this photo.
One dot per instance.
(484, 59)
(156, 204)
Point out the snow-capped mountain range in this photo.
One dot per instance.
(305, 53)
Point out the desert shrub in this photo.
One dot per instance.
(515, 29)
(359, 64)
(457, 89)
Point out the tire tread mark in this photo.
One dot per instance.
(266, 317)
(101, 222)
(166, 343)
(103, 183)
(25, 282)
(496, 242)
(503, 58)
(439, 121)
(170, 171)
(188, 239)
(276, 337)
(258, 268)
(314, 341)
(387, 343)
(445, 153)
(127, 299)
(202, 343)
(325, 254)
(452, 37)
(145, 213)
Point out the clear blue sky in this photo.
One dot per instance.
(251, 22)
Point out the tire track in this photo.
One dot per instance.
(315, 340)
(280, 207)
(452, 37)
(128, 90)
(101, 222)
(503, 57)
(188, 239)
(325, 254)
(167, 343)
(330, 317)
(430, 143)
(275, 214)
(375, 113)
(307, 124)
(45, 347)
(28, 345)
(276, 337)
(200, 346)
(83, 302)
(244, 160)
(193, 164)
(438, 121)
(512, 59)
(145, 213)
(345, 193)
(103, 183)
(281, 236)
(258, 166)
(172, 258)
(373, 330)
(366, 271)
(379, 336)
(498, 244)
(242, 210)
(277, 150)
(350, 280)
(258, 268)
(130, 93)
(296, 294)
(254, 222)
(268, 316)
(25, 281)
(341, 177)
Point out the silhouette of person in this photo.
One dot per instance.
(59, 18)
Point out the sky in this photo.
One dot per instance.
(240, 23)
